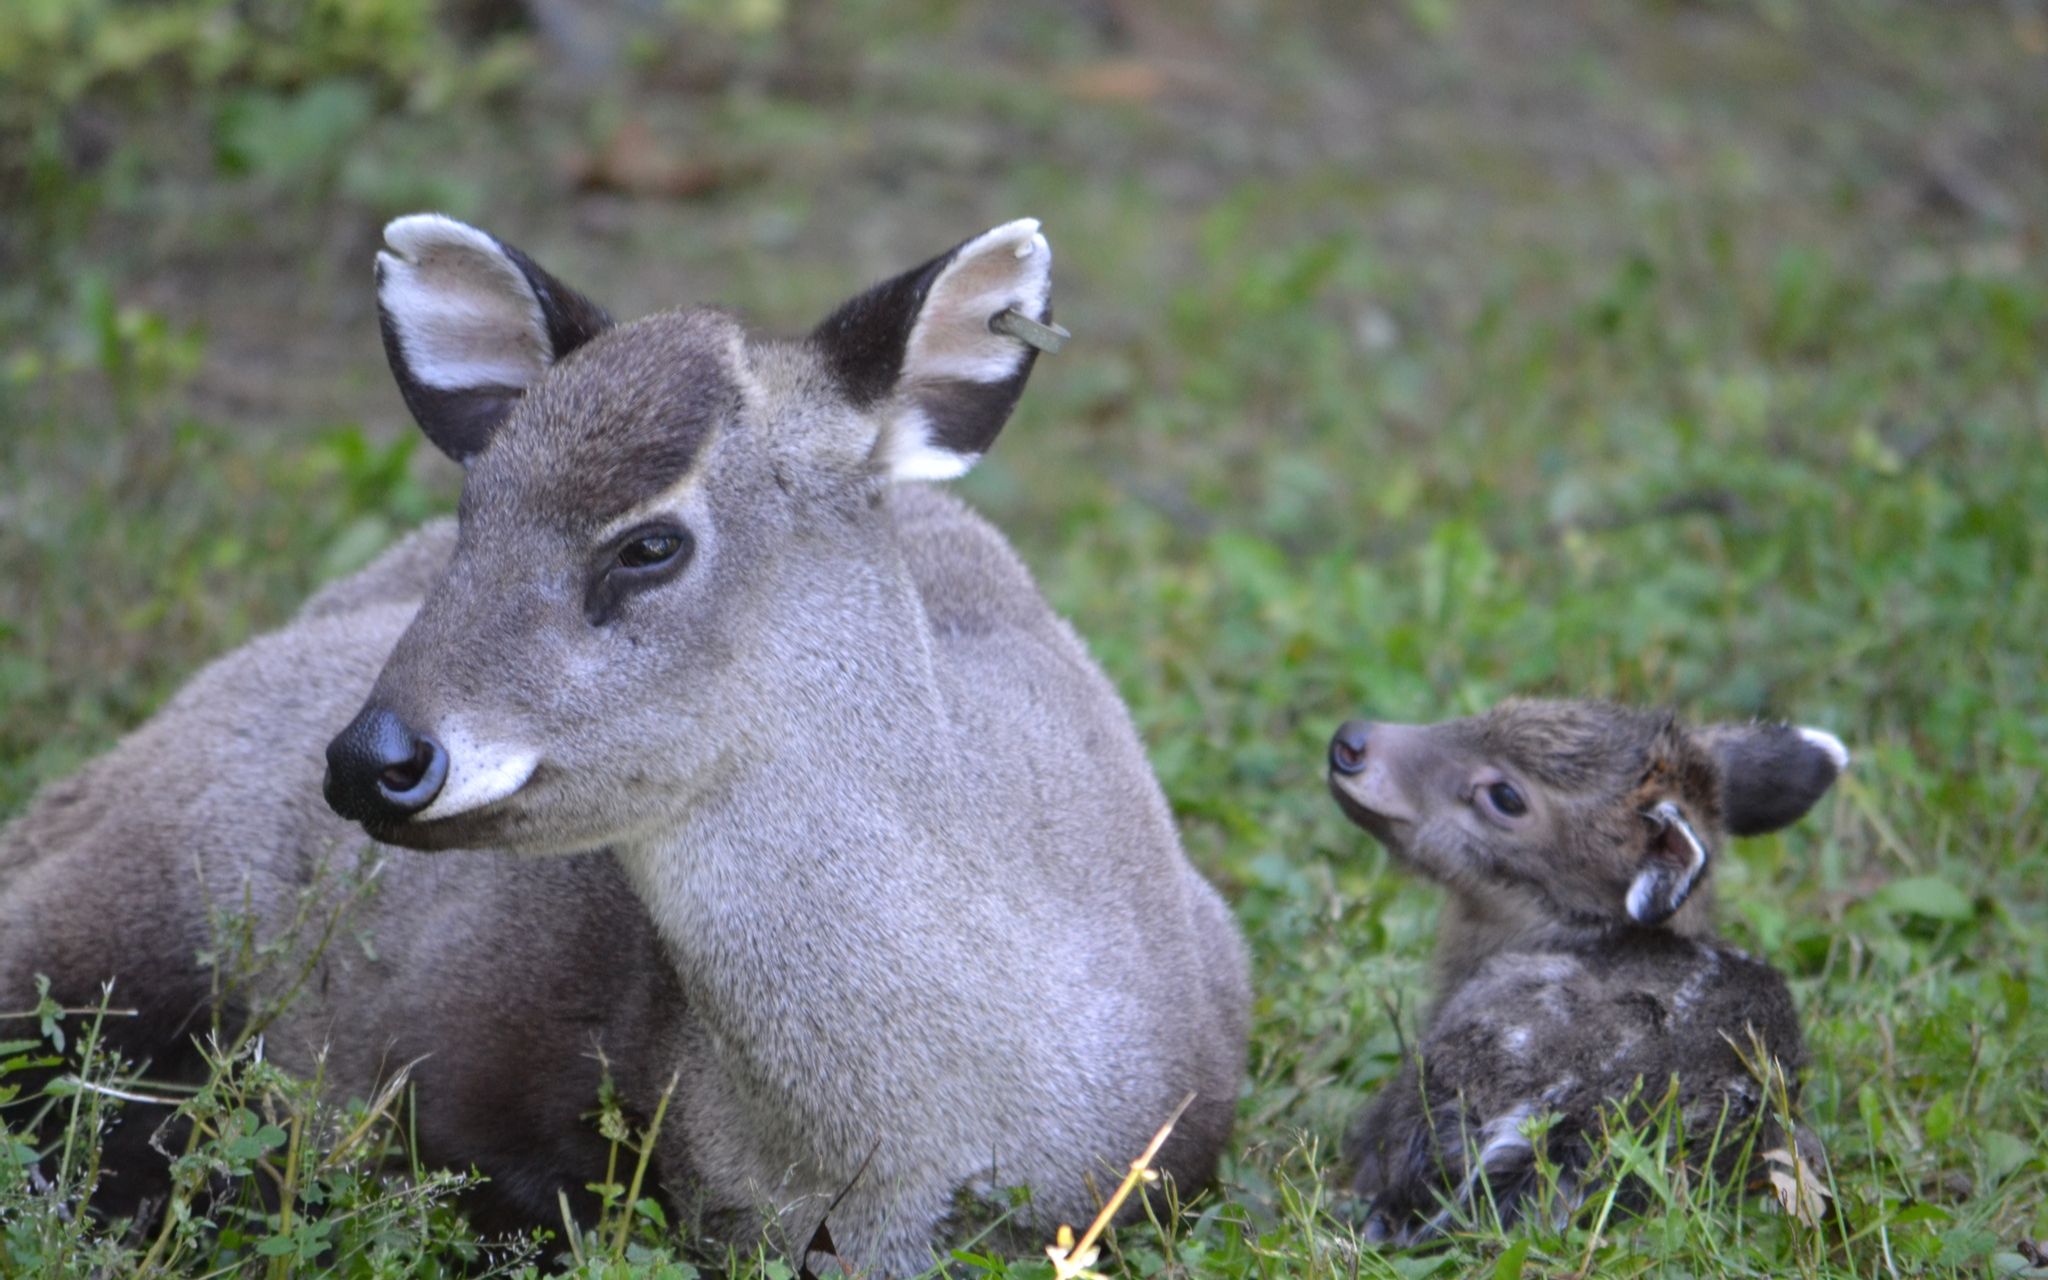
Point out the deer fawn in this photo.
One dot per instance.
(1577, 961)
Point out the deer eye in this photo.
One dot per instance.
(1504, 800)
(639, 561)
(651, 549)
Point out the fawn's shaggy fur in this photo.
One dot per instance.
(1577, 963)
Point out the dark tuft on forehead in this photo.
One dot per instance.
(621, 419)
(1579, 746)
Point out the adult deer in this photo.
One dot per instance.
(850, 835)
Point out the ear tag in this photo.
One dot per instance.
(1048, 338)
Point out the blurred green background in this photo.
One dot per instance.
(1688, 351)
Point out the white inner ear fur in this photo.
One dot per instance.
(1830, 745)
(479, 773)
(1648, 882)
(463, 311)
(1008, 267)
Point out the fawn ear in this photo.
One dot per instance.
(1674, 860)
(469, 324)
(1771, 774)
(919, 353)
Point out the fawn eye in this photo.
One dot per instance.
(1505, 800)
(650, 550)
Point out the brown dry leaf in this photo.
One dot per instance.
(634, 162)
(2031, 30)
(1115, 80)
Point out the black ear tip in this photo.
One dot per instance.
(1771, 775)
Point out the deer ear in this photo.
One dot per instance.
(1673, 863)
(1771, 774)
(469, 323)
(918, 351)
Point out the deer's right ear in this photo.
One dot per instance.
(918, 352)
(469, 324)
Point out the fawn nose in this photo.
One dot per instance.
(380, 770)
(1347, 746)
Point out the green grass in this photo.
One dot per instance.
(1672, 354)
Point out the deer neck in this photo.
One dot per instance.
(1475, 927)
(829, 888)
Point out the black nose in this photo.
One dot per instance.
(1347, 746)
(379, 770)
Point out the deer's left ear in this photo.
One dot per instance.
(1771, 774)
(919, 353)
(1674, 861)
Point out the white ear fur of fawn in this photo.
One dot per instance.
(463, 312)
(1829, 744)
(1009, 267)
(1659, 890)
